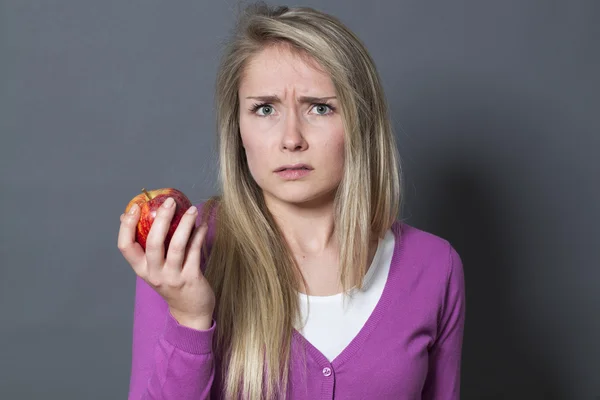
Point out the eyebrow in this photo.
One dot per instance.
(303, 99)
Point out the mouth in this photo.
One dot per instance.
(295, 167)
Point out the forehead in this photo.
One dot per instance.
(277, 68)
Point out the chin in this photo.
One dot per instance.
(302, 198)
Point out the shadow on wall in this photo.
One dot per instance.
(460, 198)
(498, 361)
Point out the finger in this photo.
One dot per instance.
(155, 249)
(180, 239)
(192, 262)
(131, 250)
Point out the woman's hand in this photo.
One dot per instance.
(176, 277)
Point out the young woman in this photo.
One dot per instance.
(309, 285)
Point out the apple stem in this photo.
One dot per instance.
(147, 194)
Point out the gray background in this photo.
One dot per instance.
(495, 104)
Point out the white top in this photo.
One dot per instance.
(331, 325)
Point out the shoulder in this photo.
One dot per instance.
(418, 241)
(429, 269)
(425, 250)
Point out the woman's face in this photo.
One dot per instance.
(289, 115)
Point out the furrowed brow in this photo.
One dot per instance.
(303, 99)
(265, 99)
(312, 100)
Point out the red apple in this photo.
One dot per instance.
(149, 202)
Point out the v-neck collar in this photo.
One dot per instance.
(378, 312)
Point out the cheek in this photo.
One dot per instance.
(336, 149)
(255, 151)
(246, 137)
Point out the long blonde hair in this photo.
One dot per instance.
(250, 267)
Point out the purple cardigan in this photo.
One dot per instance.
(409, 348)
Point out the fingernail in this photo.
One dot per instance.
(191, 210)
(168, 202)
(133, 209)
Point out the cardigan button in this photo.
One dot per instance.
(327, 371)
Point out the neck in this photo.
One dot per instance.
(307, 229)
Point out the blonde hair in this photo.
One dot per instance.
(250, 267)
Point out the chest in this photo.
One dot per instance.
(322, 272)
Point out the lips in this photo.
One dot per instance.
(294, 167)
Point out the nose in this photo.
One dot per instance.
(293, 138)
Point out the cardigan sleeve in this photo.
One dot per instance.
(169, 360)
(443, 379)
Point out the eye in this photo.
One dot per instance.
(262, 109)
(323, 109)
(266, 110)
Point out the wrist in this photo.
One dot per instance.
(202, 322)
